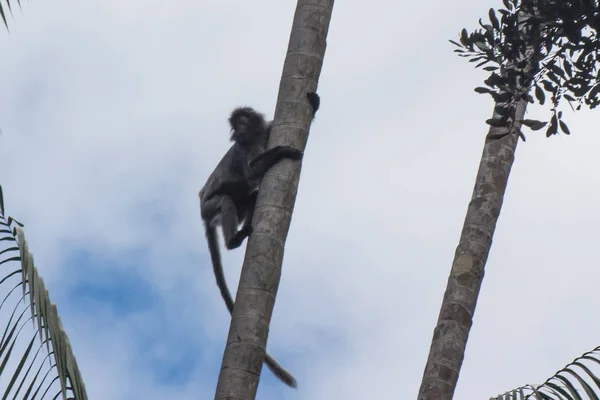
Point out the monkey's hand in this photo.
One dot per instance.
(261, 164)
(288, 152)
(314, 100)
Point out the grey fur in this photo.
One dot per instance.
(229, 195)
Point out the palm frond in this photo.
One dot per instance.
(27, 370)
(580, 379)
(5, 8)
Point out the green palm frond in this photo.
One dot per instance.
(5, 8)
(578, 380)
(47, 370)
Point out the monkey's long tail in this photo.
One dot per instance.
(280, 372)
(215, 256)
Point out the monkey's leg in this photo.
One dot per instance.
(246, 211)
(209, 209)
(261, 164)
(229, 221)
(249, 209)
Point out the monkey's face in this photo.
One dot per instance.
(241, 131)
(241, 124)
(246, 126)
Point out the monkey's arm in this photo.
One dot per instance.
(261, 164)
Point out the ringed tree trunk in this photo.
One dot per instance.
(246, 343)
(451, 333)
(450, 336)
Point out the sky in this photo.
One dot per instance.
(113, 113)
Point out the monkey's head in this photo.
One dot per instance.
(247, 125)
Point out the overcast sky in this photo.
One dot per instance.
(114, 112)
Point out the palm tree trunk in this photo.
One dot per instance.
(261, 271)
(450, 336)
(456, 315)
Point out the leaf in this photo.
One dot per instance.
(485, 26)
(533, 124)
(482, 90)
(504, 97)
(564, 128)
(553, 77)
(557, 70)
(593, 94)
(490, 68)
(501, 110)
(3, 17)
(496, 122)
(539, 94)
(482, 46)
(464, 37)
(548, 86)
(494, 19)
(568, 68)
(552, 128)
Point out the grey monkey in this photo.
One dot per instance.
(229, 194)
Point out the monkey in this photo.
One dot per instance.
(229, 194)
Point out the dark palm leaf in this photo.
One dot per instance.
(38, 362)
(578, 380)
(6, 8)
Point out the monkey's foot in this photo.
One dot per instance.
(237, 239)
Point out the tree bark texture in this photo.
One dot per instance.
(246, 343)
(458, 305)
(451, 333)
